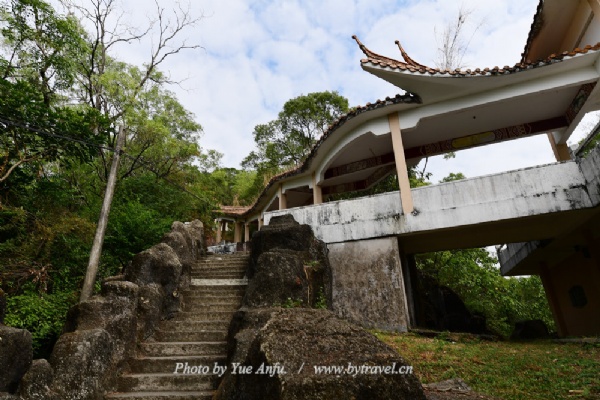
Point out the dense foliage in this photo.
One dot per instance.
(62, 99)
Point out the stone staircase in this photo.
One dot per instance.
(196, 336)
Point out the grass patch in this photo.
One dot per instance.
(535, 370)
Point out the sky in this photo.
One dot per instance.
(257, 54)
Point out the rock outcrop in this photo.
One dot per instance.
(287, 265)
(16, 354)
(286, 347)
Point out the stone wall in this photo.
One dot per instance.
(101, 333)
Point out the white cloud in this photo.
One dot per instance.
(261, 53)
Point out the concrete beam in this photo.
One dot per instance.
(360, 165)
(359, 185)
(485, 138)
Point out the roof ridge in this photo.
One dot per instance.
(408, 59)
(414, 67)
(372, 54)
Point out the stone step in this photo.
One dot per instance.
(208, 299)
(190, 336)
(168, 364)
(203, 315)
(210, 271)
(238, 261)
(223, 261)
(219, 269)
(215, 275)
(170, 395)
(169, 349)
(201, 307)
(222, 291)
(227, 284)
(194, 325)
(165, 382)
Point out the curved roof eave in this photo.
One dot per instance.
(351, 119)
(434, 84)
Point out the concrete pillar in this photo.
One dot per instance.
(317, 191)
(237, 234)
(219, 234)
(561, 151)
(260, 222)
(367, 283)
(282, 199)
(553, 300)
(401, 168)
(247, 232)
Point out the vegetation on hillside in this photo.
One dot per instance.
(508, 370)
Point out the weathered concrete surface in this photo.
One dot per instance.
(291, 338)
(16, 354)
(524, 258)
(367, 284)
(507, 207)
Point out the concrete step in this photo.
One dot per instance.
(222, 291)
(168, 364)
(190, 336)
(194, 325)
(219, 267)
(203, 315)
(170, 395)
(219, 271)
(209, 307)
(165, 382)
(212, 299)
(170, 349)
(226, 284)
(217, 276)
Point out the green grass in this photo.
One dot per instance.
(509, 370)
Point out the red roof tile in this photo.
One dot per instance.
(412, 66)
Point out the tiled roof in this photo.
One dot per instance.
(536, 25)
(407, 98)
(409, 65)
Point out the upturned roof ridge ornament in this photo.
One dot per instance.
(407, 58)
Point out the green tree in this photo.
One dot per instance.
(285, 141)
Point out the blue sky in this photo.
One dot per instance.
(258, 54)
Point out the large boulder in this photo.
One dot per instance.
(83, 364)
(115, 312)
(439, 308)
(285, 347)
(287, 265)
(161, 265)
(37, 382)
(149, 311)
(530, 329)
(16, 355)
